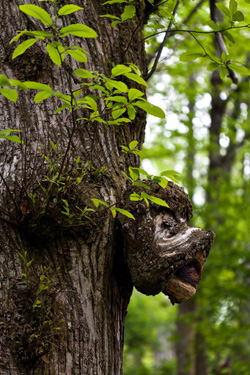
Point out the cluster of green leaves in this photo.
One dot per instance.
(128, 13)
(132, 148)
(113, 209)
(6, 134)
(7, 89)
(232, 15)
(57, 194)
(56, 50)
(37, 292)
(118, 97)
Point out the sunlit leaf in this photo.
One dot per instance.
(77, 55)
(68, 9)
(42, 95)
(10, 94)
(37, 12)
(120, 69)
(123, 212)
(79, 30)
(150, 108)
(21, 48)
(54, 54)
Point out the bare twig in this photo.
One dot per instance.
(162, 44)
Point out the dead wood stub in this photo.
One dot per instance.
(163, 253)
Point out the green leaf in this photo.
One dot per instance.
(62, 108)
(119, 121)
(54, 54)
(223, 72)
(223, 9)
(97, 202)
(4, 81)
(17, 37)
(163, 182)
(142, 171)
(21, 48)
(129, 12)
(117, 112)
(123, 212)
(232, 7)
(8, 131)
(37, 86)
(141, 184)
(13, 138)
(136, 78)
(156, 200)
(215, 59)
(117, 85)
(135, 197)
(213, 25)
(29, 263)
(117, 98)
(133, 144)
(120, 69)
(239, 69)
(150, 108)
(113, 24)
(212, 66)
(37, 12)
(124, 149)
(134, 94)
(77, 55)
(189, 56)
(83, 73)
(78, 29)
(134, 173)
(238, 16)
(38, 33)
(131, 112)
(170, 172)
(9, 94)
(42, 95)
(91, 102)
(109, 16)
(114, 1)
(19, 84)
(68, 9)
(229, 37)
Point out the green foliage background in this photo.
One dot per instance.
(183, 142)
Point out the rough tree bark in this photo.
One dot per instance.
(99, 261)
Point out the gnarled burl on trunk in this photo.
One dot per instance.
(163, 253)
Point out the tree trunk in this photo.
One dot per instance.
(64, 312)
(186, 336)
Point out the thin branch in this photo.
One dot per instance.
(141, 20)
(162, 44)
(190, 15)
(197, 31)
(220, 44)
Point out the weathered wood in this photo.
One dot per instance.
(160, 243)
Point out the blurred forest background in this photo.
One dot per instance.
(205, 137)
